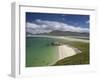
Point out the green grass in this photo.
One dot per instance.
(81, 58)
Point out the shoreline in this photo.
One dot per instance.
(65, 51)
(62, 37)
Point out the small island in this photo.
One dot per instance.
(56, 43)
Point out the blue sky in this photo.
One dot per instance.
(68, 21)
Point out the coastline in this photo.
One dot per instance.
(61, 37)
(65, 51)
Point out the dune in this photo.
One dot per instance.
(65, 51)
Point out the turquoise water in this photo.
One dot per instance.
(39, 52)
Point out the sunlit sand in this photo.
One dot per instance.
(66, 51)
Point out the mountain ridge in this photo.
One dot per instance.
(62, 33)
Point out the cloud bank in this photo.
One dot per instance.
(44, 26)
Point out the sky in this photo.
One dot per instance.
(47, 22)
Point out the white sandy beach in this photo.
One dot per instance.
(65, 51)
(62, 37)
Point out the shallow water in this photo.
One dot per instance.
(39, 52)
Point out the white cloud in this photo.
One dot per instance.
(43, 26)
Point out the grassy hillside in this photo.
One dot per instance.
(82, 58)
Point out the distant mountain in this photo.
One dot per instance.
(69, 33)
(62, 33)
(28, 33)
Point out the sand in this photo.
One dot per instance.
(62, 37)
(66, 51)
